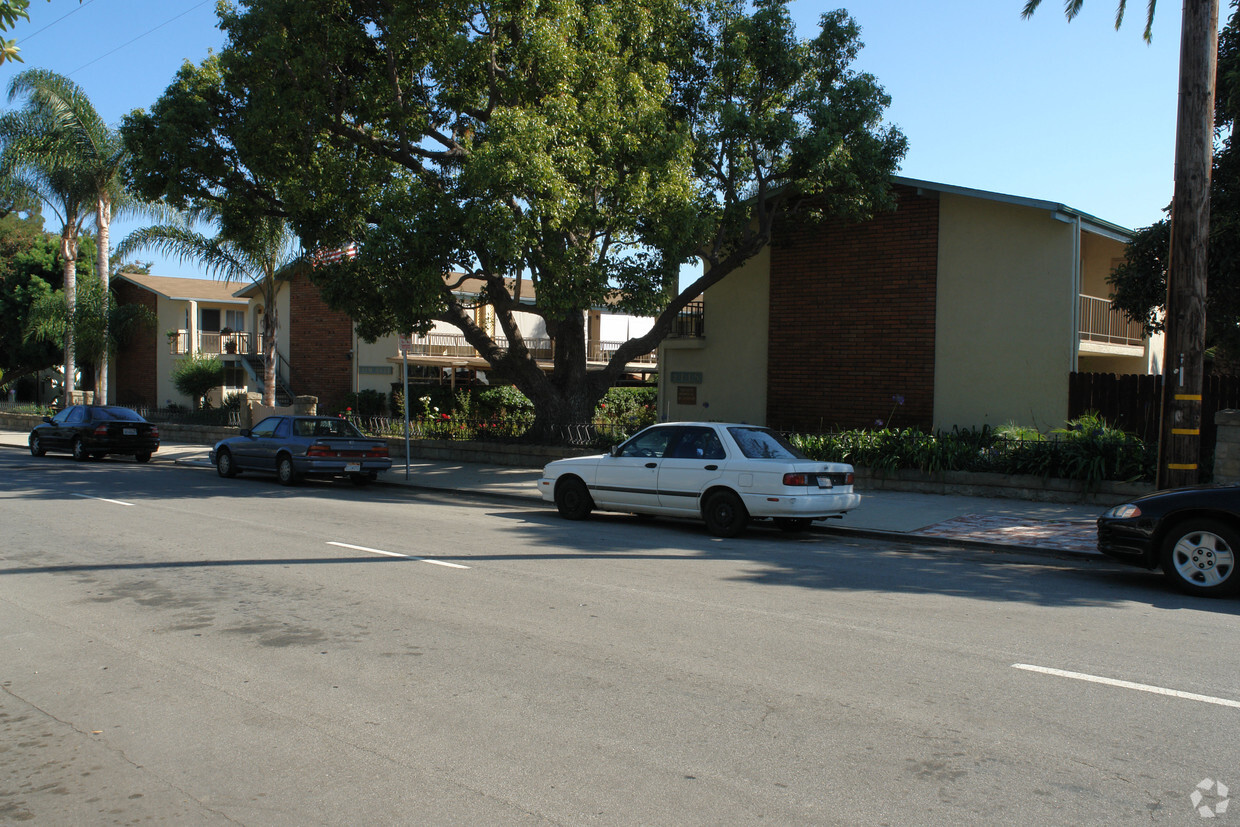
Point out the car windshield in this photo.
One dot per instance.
(324, 427)
(117, 414)
(759, 443)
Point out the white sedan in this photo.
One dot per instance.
(724, 474)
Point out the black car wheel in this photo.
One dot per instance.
(725, 514)
(572, 499)
(145, 456)
(224, 463)
(79, 450)
(1199, 557)
(285, 470)
(36, 446)
(793, 524)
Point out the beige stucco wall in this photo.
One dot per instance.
(731, 358)
(374, 357)
(1099, 255)
(1004, 333)
(171, 317)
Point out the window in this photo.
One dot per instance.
(697, 443)
(649, 443)
(210, 320)
(759, 443)
(234, 320)
(267, 427)
(234, 376)
(324, 427)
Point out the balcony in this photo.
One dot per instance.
(1107, 330)
(212, 343)
(690, 323)
(451, 347)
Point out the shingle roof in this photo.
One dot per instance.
(186, 289)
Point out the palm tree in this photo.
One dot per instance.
(1073, 7)
(100, 155)
(38, 158)
(267, 254)
(100, 325)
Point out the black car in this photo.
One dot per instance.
(94, 431)
(293, 447)
(1192, 533)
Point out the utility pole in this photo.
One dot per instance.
(1184, 346)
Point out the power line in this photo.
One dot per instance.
(57, 20)
(139, 37)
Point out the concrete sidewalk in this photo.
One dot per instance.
(962, 520)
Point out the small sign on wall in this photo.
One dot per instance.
(686, 395)
(686, 377)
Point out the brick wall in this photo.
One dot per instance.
(852, 321)
(319, 343)
(135, 363)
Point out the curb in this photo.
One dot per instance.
(839, 530)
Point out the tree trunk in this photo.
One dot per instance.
(1180, 438)
(564, 400)
(269, 344)
(103, 217)
(68, 251)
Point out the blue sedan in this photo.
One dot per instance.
(293, 447)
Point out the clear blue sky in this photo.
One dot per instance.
(1074, 113)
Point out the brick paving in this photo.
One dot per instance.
(1059, 535)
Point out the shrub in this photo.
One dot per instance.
(504, 401)
(1086, 449)
(630, 409)
(197, 374)
(366, 403)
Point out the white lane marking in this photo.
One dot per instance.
(103, 500)
(403, 556)
(1140, 687)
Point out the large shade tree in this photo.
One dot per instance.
(263, 252)
(590, 148)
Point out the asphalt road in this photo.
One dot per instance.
(183, 649)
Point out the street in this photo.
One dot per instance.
(176, 647)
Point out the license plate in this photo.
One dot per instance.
(131, 432)
(352, 467)
(824, 482)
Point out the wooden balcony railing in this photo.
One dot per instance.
(1101, 322)
(454, 344)
(212, 343)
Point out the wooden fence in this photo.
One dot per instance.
(1131, 402)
